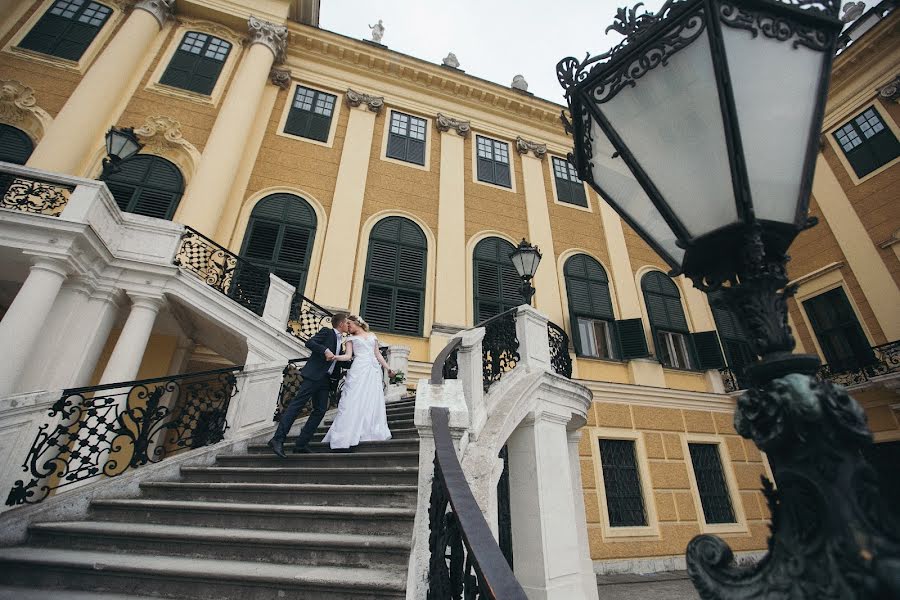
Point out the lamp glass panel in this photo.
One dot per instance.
(614, 177)
(116, 142)
(129, 148)
(775, 91)
(671, 121)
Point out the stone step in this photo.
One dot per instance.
(199, 579)
(29, 593)
(291, 474)
(273, 517)
(287, 547)
(312, 494)
(321, 459)
(401, 422)
(397, 433)
(392, 445)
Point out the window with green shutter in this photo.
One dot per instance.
(867, 142)
(496, 282)
(590, 307)
(406, 139)
(310, 114)
(197, 63)
(838, 332)
(734, 340)
(667, 321)
(147, 185)
(569, 188)
(67, 28)
(394, 286)
(493, 161)
(280, 236)
(15, 145)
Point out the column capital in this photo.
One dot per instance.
(162, 10)
(525, 146)
(445, 124)
(59, 266)
(280, 77)
(364, 101)
(272, 36)
(152, 303)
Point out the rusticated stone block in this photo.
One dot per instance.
(610, 414)
(654, 445)
(699, 421)
(672, 443)
(665, 507)
(669, 475)
(665, 419)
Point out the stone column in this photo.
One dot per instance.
(342, 234)
(23, 323)
(211, 185)
(73, 137)
(546, 280)
(125, 361)
(91, 333)
(588, 577)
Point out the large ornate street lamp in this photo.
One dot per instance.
(526, 258)
(121, 144)
(701, 129)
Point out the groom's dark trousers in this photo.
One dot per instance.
(315, 386)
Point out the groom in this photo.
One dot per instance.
(317, 372)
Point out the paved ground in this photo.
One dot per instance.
(673, 585)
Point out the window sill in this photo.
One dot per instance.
(586, 209)
(71, 66)
(631, 534)
(613, 361)
(397, 161)
(181, 94)
(495, 186)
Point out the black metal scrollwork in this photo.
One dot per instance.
(33, 196)
(112, 428)
(886, 360)
(306, 317)
(500, 347)
(775, 27)
(560, 359)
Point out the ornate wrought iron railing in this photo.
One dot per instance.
(222, 270)
(290, 385)
(465, 560)
(109, 429)
(26, 194)
(306, 317)
(560, 359)
(500, 346)
(730, 380)
(885, 360)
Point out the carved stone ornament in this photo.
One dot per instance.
(159, 134)
(524, 146)
(162, 10)
(18, 107)
(891, 91)
(450, 61)
(280, 77)
(853, 11)
(445, 123)
(272, 36)
(519, 83)
(357, 99)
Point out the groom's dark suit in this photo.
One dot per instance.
(315, 385)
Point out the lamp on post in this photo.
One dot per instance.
(701, 130)
(525, 259)
(121, 143)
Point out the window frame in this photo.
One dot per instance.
(173, 209)
(289, 103)
(205, 47)
(511, 164)
(627, 533)
(555, 186)
(386, 134)
(473, 295)
(848, 116)
(110, 26)
(611, 330)
(737, 503)
(655, 330)
(859, 361)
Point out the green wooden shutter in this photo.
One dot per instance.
(197, 63)
(708, 351)
(66, 29)
(147, 185)
(840, 335)
(15, 145)
(632, 342)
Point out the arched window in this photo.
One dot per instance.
(67, 28)
(147, 185)
(497, 283)
(394, 289)
(667, 321)
(196, 64)
(734, 340)
(15, 145)
(280, 237)
(590, 307)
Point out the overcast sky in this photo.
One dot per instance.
(493, 39)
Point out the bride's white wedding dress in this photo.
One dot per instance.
(361, 415)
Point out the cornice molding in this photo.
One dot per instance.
(358, 99)
(626, 393)
(835, 266)
(525, 146)
(445, 123)
(280, 77)
(162, 10)
(272, 36)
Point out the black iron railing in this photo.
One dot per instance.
(560, 359)
(446, 363)
(731, 380)
(500, 346)
(306, 317)
(224, 271)
(109, 429)
(26, 194)
(290, 385)
(465, 560)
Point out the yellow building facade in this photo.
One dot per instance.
(373, 156)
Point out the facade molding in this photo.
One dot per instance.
(280, 77)
(538, 150)
(643, 395)
(891, 91)
(445, 123)
(817, 273)
(362, 100)
(18, 108)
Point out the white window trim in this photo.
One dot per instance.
(651, 529)
(512, 161)
(386, 134)
(884, 116)
(213, 29)
(335, 115)
(556, 200)
(737, 504)
(90, 54)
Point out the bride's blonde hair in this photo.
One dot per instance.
(359, 321)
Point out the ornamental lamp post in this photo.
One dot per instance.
(525, 259)
(701, 130)
(121, 144)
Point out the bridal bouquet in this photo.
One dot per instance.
(398, 377)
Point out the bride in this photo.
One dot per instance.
(361, 415)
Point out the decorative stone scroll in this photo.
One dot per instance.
(357, 99)
(280, 77)
(524, 146)
(272, 36)
(162, 136)
(891, 91)
(18, 107)
(445, 123)
(162, 10)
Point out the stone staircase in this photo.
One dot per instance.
(251, 527)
